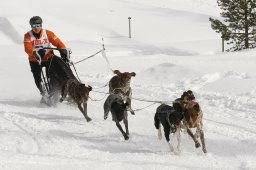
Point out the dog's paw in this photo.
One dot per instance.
(61, 100)
(105, 117)
(88, 119)
(126, 137)
(197, 144)
(132, 112)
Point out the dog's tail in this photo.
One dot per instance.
(158, 126)
(157, 121)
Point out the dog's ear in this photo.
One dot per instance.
(81, 85)
(196, 107)
(189, 92)
(89, 88)
(133, 74)
(117, 72)
(185, 94)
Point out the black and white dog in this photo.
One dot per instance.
(170, 120)
(115, 103)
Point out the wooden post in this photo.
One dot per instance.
(129, 20)
(223, 44)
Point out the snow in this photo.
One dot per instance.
(172, 49)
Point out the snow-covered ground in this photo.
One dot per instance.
(172, 49)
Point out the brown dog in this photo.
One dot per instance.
(79, 93)
(193, 119)
(120, 83)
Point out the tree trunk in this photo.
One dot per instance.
(246, 26)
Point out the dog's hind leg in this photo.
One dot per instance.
(197, 144)
(84, 111)
(106, 109)
(178, 138)
(126, 137)
(159, 134)
(170, 146)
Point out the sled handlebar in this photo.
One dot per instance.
(58, 49)
(38, 57)
(51, 48)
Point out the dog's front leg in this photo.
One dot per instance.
(201, 132)
(126, 126)
(167, 131)
(84, 111)
(126, 137)
(197, 144)
(129, 106)
(129, 100)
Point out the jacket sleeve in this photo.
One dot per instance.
(28, 46)
(54, 40)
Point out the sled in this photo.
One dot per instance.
(53, 77)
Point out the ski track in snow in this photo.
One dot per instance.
(65, 133)
(61, 132)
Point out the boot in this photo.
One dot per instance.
(43, 93)
(42, 89)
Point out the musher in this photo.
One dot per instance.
(36, 40)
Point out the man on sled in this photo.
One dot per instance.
(37, 44)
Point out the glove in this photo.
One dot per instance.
(40, 55)
(64, 54)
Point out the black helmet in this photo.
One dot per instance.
(35, 20)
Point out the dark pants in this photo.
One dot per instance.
(36, 70)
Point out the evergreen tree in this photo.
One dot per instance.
(239, 24)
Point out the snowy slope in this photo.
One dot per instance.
(172, 49)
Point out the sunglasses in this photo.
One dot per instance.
(36, 25)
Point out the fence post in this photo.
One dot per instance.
(222, 38)
(129, 20)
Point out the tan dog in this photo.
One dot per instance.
(79, 93)
(193, 119)
(120, 83)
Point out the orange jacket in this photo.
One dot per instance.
(30, 42)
